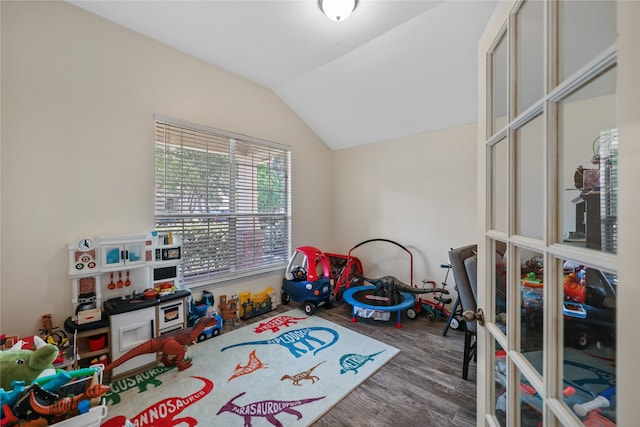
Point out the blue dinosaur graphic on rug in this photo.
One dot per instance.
(290, 339)
(353, 362)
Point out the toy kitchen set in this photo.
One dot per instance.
(125, 291)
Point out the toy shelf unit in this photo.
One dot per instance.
(90, 341)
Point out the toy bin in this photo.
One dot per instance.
(97, 342)
(89, 419)
(96, 413)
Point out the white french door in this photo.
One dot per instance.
(559, 203)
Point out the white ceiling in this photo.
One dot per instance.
(393, 69)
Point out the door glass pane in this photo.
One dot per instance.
(530, 170)
(499, 185)
(499, 81)
(530, 54)
(500, 385)
(500, 261)
(586, 28)
(530, 405)
(588, 162)
(589, 312)
(531, 306)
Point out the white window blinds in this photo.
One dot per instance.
(226, 195)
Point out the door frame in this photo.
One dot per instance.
(628, 298)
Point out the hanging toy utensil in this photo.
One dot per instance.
(120, 282)
(127, 282)
(111, 285)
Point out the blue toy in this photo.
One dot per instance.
(211, 331)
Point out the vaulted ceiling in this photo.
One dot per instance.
(392, 69)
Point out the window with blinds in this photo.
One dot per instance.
(226, 195)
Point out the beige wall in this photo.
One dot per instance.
(417, 191)
(78, 98)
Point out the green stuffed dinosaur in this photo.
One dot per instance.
(26, 365)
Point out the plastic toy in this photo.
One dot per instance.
(594, 320)
(229, 309)
(171, 345)
(211, 331)
(198, 309)
(308, 282)
(252, 305)
(436, 308)
(315, 278)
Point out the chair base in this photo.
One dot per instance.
(470, 346)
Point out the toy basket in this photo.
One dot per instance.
(95, 414)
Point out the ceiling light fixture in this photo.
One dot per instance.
(338, 10)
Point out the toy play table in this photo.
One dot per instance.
(408, 300)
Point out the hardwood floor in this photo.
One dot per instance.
(421, 386)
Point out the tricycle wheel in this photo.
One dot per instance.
(431, 315)
(309, 308)
(285, 299)
(411, 313)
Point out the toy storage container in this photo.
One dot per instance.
(90, 419)
(93, 417)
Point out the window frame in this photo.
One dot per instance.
(239, 162)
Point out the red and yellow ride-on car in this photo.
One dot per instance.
(315, 278)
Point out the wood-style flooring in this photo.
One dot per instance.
(421, 386)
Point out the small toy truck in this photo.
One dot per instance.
(211, 331)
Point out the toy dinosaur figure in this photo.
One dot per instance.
(392, 287)
(172, 345)
(66, 404)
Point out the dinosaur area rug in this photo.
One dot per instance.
(287, 370)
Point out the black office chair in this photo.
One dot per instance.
(464, 264)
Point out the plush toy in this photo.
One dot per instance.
(26, 365)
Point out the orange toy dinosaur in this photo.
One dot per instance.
(172, 345)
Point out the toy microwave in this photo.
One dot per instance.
(168, 254)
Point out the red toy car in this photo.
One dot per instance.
(316, 278)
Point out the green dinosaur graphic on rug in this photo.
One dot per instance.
(353, 362)
(141, 381)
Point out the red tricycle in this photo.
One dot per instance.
(436, 308)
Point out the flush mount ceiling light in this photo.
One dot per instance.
(337, 10)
